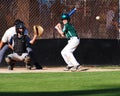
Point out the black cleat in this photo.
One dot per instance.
(10, 67)
(38, 66)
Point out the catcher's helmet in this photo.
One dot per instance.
(17, 21)
(20, 26)
(65, 16)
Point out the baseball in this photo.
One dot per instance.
(97, 17)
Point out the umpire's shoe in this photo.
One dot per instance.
(37, 66)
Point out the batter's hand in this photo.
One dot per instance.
(59, 29)
(58, 26)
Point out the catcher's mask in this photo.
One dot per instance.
(65, 16)
(20, 28)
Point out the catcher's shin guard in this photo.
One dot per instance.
(8, 60)
(10, 63)
(27, 61)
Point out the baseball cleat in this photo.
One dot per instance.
(11, 66)
(75, 68)
(68, 68)
(38, 66)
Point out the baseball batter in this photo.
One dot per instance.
(73, 41)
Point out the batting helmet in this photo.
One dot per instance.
(65, 16)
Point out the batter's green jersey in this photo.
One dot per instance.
(69, 31)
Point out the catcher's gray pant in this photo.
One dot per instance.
(16, 57)
(67, 52)
(5, 47)
(12, 58)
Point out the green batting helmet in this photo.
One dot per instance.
(65, 16)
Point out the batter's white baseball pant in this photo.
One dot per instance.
(67, 52)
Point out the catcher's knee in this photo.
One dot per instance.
(27, 59)
(8, 60)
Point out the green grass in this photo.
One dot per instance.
(60, 84)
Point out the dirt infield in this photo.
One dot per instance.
(55, 69)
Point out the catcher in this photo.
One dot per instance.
(19, 43)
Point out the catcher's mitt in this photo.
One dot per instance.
(38, 30)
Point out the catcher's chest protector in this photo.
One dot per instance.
(19, 44)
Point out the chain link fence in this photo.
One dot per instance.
(94, 19)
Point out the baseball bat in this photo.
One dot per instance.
(72, 12)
